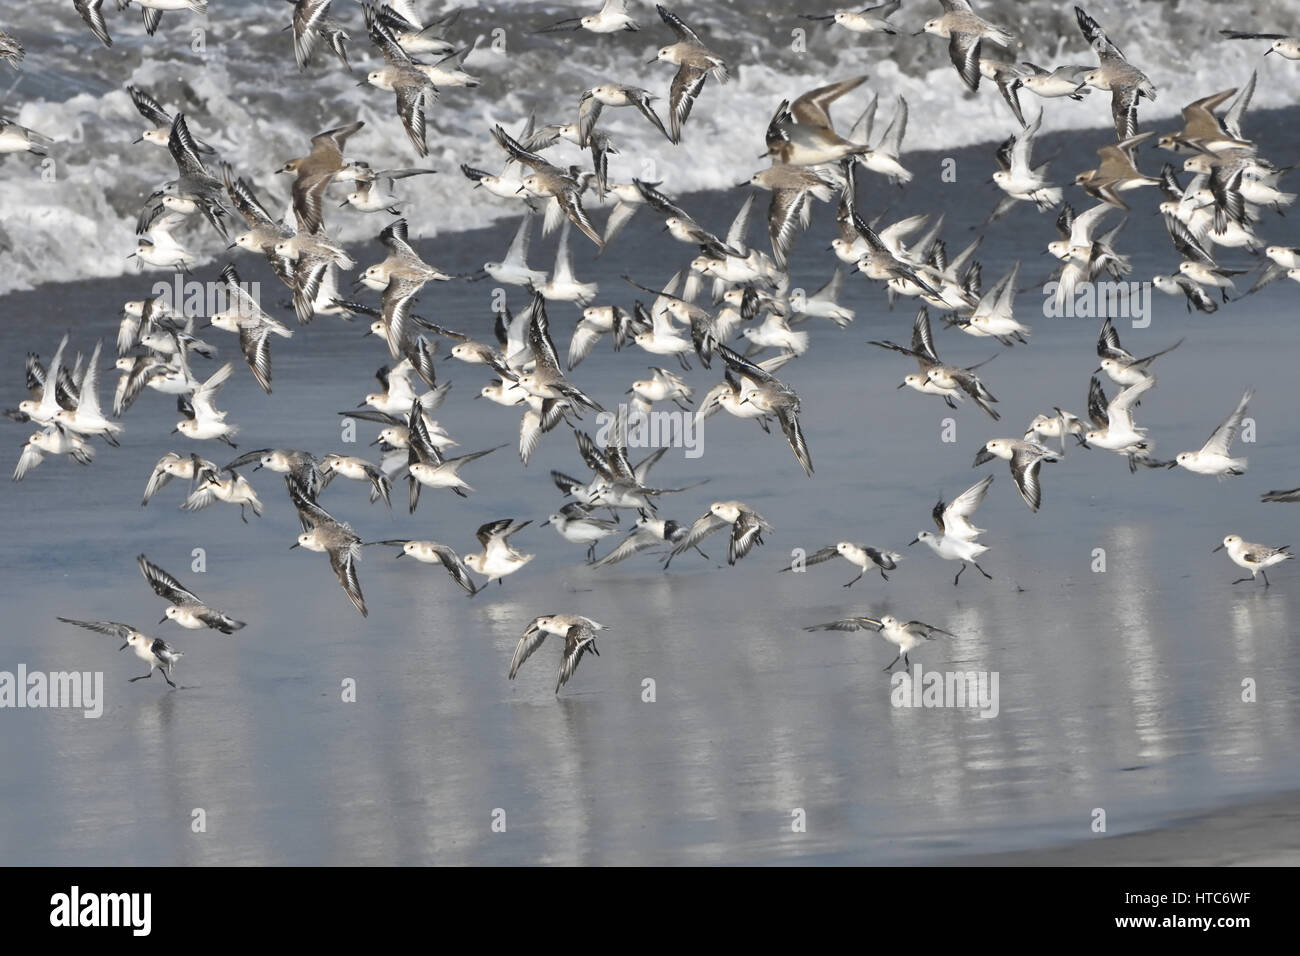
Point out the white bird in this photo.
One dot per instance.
(579, 635)
(1213, 457)
(1253, 557)
(1026, 459)
(903, 635)
(498, 558)
(205, 421)
(184, 606)
(956, 538)
(859, 555)
(154, 651)
(747, 529)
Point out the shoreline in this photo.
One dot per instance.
(1253, 832)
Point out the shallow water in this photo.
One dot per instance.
(1118, 690)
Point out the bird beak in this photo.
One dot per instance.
(1219, 548)
(362, 405)
(401, 554)
(231, 246)
(913, 541)
(982, 456)
(175, 430)
(1097, 370)
(294, 545)
(656, 59)
(375, 442)
(163, 619)
(124, 647)
(919, 33)
(1172, 464)
(902, 384)
(140, 139)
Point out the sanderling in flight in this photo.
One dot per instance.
(763, 390)
(498, 558)
(1112, 423)
(314, 172)
(747, 529)
(160, 133)
(1116, 173)
(550, 182)
(1213, 457)
(903, 635)
(374, 190)
(1255, 558)
(563, 285)
(332, 537)
(694, 62)
(648, 532)
(1125, 82)
(574, 523)
(867, 20)
(935, 378)
(513, 269)
(203, 421)
(993, 314)
(431, 552)
(154, 651)
(311, 24)
(579, 635)
(595, 99)
(403, 76)
(956, 538)
(1123, 367)
(54, 439)
(1057, 425)
(183, 605)
(20, 139)
(302, 465)
(611, 18)
(859, 555)
(1026, 459)
(1061, 81)
(802, 134)
(355, 469)
(1284, 45)
(966, 32)
(222, 484)
(173, 465)
(85, 418)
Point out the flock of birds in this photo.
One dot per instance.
(730, 291)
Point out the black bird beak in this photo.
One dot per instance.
(231, 246)
(982, 456)
(401, 554)
(375, 442)
(1172, 464)
(902, 384)
(163, 619)
(913, 541)
(294, 545)
(1219, 548)
(1097, 370)
(124, 647)
(656, 59)
(362, 405)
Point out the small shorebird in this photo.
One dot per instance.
(903, 635)
(859, 555)
(1213, 457)
(154, 651)
(184, 606)
(956, 538)
(579, 635)
(1253, 557)
(1026, 458)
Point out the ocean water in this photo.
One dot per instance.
(234, 77)
(1119, 690)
